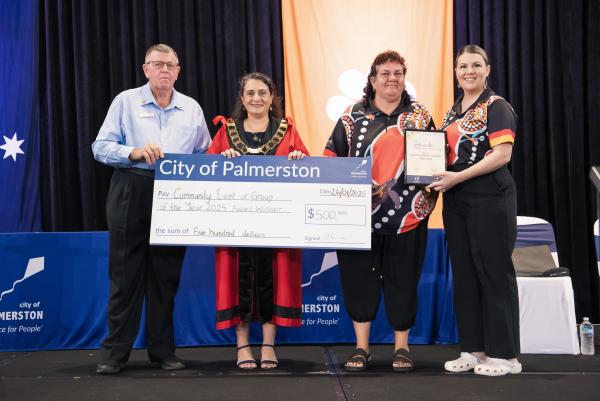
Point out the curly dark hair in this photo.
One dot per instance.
(382, 58)
(239, 111)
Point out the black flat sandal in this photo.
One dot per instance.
(360, 356)
(403, 356)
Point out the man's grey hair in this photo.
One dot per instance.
(160, 47)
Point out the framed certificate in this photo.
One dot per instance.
(424, 155)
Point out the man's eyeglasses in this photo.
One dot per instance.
(159, 65)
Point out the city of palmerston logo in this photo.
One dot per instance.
(358, 170)
(34, 266)
(329, 261)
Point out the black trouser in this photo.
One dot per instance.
(393, 264)
(138, 271)
(256, 284)
(481, 228)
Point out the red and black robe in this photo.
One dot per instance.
(287, 263)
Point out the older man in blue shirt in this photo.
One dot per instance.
(141, 125)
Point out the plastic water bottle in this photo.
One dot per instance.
(586, 337)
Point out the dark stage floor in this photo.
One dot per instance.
(306, 373)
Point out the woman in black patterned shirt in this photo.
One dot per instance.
(480, 209)
(375, 127)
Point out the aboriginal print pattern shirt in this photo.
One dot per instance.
(471, 135)
(365, 131)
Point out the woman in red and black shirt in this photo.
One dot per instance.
(480, 208)
(375, 128)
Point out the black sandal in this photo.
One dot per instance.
(240, 363)
(403, 356)
(268, 361)
(359, 356)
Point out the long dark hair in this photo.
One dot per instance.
(382, 58)
(239, 111)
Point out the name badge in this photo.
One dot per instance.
(146, 115)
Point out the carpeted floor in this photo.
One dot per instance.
(306, 373)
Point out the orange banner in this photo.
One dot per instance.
(329, 47)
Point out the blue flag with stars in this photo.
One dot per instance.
(19, 117)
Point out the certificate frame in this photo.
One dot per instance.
(424, 154)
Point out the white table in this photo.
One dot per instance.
(547, 315)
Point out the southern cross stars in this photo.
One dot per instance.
(12, 146)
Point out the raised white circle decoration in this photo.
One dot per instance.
(336, 106)
(410, 88)
(351, 83)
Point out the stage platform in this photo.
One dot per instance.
(306, 373)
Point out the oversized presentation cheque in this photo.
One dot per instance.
(262, 201)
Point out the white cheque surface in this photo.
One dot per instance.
(267, 213)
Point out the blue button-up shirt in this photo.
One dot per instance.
(134, 119)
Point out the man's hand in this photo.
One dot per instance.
(150, 153)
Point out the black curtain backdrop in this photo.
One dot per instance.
(90, 50)
(544, 54)
(545, 57)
